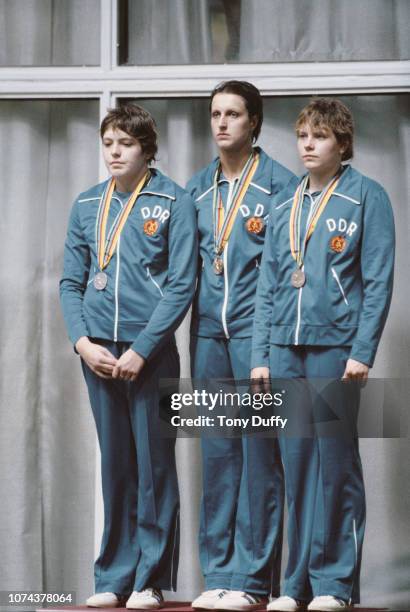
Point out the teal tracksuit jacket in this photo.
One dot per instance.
(151, 278)
(348, 265)
(224, 304)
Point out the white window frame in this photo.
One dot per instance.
(109, 81)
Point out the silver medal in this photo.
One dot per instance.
(100, 281)
(298, 278)
(218, 265)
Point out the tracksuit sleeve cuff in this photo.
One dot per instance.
(144, 345)
(363, 352)
(259, 360)
(77, 333)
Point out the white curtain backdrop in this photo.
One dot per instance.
(49, 32)
(163, 32)
(186, 32)
(49, 153)
(324, 30)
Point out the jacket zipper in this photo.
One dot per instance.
(225, 261)
(117, 277)
(117, 281)
(335, 276)
(299, 305)
(154, 282)
(299, 315)
(226, 295)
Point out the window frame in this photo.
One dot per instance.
(110, 81)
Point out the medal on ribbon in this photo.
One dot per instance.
(106, 245)
(218, 265)
(297, 244)
(223, 224)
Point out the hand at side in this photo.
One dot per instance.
(355, 370)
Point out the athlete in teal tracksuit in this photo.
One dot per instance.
(320, 312)
(121, 315)
(240, 543)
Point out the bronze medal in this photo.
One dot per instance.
(100, 281)
(338, 244)
(255, 225)
(298, 278)
(218, 265)
(150, 227)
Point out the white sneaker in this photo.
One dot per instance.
(328, 603)
(239, 600)
(103, 600)
(286, 604)
(208, 599)
(148, 599)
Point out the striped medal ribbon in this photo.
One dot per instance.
(297, 245)
(223, 224)
(106, 245)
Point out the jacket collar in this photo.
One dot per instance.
(350, 185)
(262, 176)
(158, 184)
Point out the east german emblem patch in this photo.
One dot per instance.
(338, 244)
(150, 227)
(255, 225)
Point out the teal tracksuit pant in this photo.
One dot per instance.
(240, 535)
(323, 474)
(139, 546)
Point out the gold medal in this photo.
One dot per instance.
(218, 265)
(298, 278)
(150, 227)
(255, 225)
(338, 244)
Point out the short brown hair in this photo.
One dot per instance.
(136, 122)
(252, 98)
(333, 114)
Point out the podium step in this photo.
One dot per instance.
(170, 606)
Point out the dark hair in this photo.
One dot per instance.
(251, 96)
(134, 121)
(333, 114)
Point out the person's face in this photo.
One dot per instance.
(232, 128)
(318, 148)
(123, 155)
